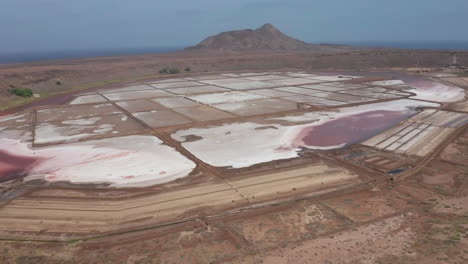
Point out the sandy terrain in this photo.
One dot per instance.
(239, 167)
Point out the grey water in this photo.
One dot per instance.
(84, 53)
(72, 54)
(460, 45)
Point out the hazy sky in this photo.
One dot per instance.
(30, 25)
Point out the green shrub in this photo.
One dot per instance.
(23, 92)
(58, 82)
(174, 71)
(188, 69)
(169, 71)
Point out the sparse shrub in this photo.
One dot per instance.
(188, 69)
(58, 83)
(169, 71)
(23, 92)
(174, 71)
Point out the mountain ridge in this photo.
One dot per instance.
(267, 37)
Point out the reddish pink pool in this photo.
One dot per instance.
(350, 129)
(14, 166)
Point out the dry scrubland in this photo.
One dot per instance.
(42, 77)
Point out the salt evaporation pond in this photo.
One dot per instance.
(240, 145)
(424, 88)
(348, 130)
(14, 166)
(132, 161)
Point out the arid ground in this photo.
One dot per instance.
(266, 158)
(52, 77)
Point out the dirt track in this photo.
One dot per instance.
(53, 213)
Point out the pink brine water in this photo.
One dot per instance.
(349, 129)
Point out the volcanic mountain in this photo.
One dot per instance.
(266, 37)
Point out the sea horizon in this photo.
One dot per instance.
(37, 56)
(458, 45)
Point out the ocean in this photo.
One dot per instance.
(70, 54)
(429, 44)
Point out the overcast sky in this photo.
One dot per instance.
(31, 25)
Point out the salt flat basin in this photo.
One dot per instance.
(14, 166)
(349, 129)
(427, 89)
(244, 144)
(235, 145)
(424, 88)
(131, 161)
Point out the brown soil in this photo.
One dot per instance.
(383, 222)
(103, 71)
(313, 209)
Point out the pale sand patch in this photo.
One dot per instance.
(228, 97)
(396, 105)
(388, 82)
(86, 99)
(317, 176)
(129, 88)
(453, 206)
(73, 130)
(365, 244)
(137, 95)
(15, 117)
(23, 133)
(176, 84)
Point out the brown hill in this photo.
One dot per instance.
(266, 37)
